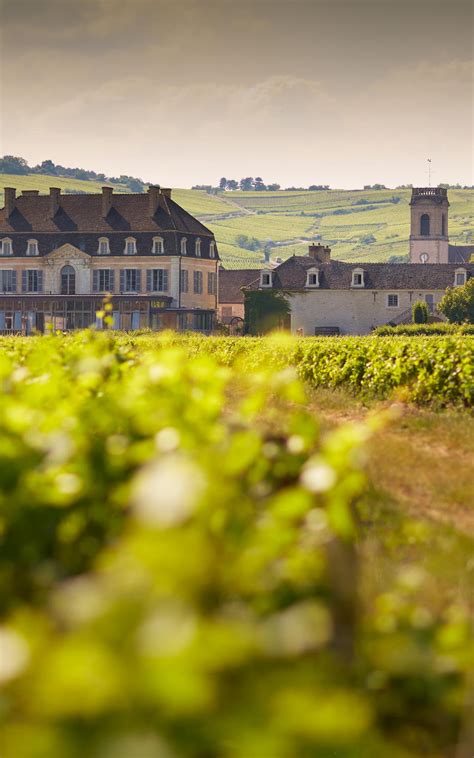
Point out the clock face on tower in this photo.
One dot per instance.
(424, 257)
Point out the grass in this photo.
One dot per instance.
(290, 216)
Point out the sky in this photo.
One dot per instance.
(299, 92)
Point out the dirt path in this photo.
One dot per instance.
(423, 460)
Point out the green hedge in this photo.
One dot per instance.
(178, 570)
(411, 330)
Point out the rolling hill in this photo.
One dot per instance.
(362, 225)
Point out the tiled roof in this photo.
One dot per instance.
(231, 281)
(336, 275)
(83, 213)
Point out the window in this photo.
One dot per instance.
(312, 278)
(130, 246)
(197, 248)
(7, 281)
(103, 248)
(459, 278)
(103, 280)
(211, 283)
(429, 300)
(392, 301)
(265, 279)
(357, 278)
(184, 244)
(157, 280)
(68, 281)
(212, 249)
(158, 247)
(184, 283)
(130, 280)
(6, 247)
(32, 247)
(198, 282)
(32, 280)
(425, 225)
(443, 225)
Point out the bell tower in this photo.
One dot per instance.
(429, 225)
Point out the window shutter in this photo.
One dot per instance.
(40, 281)
(122, 280)
(13, 281)
(149, 280)
(139, 280)
(111, 280)
(24, 281)
(2, 320)
(165, 280)
(95, 281)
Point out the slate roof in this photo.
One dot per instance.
(336, 275)
(83, 213)
(460, 253)
(231, 281)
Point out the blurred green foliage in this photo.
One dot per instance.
(179, 572)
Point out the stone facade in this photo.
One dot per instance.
(429, 241)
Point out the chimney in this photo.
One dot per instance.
(106, 200)
(10, 197)
(153, 198)
(54, 193)
(166, 191)
(30, 193)
(320, 253)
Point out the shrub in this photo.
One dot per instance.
(419, 312)
(458, 303)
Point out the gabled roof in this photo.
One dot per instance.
(231, 281)
(336, 275)
(460, 253)
(83, 213)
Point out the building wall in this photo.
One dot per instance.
(436, 243)
(84, 265)
(227, 311)
(352, 311)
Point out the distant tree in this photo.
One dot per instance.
(223, 183)
(458, 303)
(12, 164)
(374, 186)
(259, 184)
(398, 259)
(247, 184)
(232, 184)
(419, 312)
(318, 187)
(273, 187)
(368, 239)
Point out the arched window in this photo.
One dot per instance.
(425, 225)
(103, 248)
(158, 246)
(443, 225)
(6, 246)
(198, 248)
(68, 281)
(212, 250)
(184, 249)
(32, 247)
(130, 246)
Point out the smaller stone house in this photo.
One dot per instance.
(332, 297)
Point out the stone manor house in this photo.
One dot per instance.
(60, 255)
(327, 296)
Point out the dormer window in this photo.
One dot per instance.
(460, 277)
(103, 248)
(212, 250)
(312, 277)
(6, 246)
(184, 246)
(130, 246)
(265, 279)
(32, 247)
(357, 278)
(198, 248)
(158, 247)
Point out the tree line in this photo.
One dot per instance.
(251, 184)
(12, 164)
